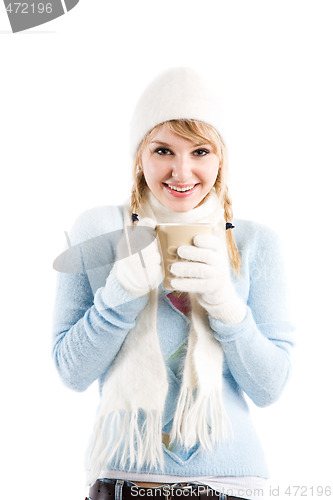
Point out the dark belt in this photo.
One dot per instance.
(123, 490)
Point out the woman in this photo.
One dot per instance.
(173, 366)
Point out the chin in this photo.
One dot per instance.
(182, 206)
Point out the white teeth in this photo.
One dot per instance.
(181, 190)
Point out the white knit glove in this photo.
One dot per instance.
(206, 272)
(140, 272)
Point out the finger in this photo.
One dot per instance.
(190, 252)
(210, 241)
(187, 285)
(192, 270)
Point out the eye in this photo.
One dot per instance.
(201, 152)
(163, 151)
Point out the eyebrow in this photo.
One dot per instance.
(196, 145)
(161, 143)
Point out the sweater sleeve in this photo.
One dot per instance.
(89, 328)
(257, 349)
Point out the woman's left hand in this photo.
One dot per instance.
(205, 271)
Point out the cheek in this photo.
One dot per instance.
(155, 169)
(209, 173)
(153, 173)
(147, 167)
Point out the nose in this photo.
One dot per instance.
(181, 169)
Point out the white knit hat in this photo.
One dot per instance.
(178, 93)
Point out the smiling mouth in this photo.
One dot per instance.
(180, 188)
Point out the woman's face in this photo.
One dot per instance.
(179, 172)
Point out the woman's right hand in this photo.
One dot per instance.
(141, 271)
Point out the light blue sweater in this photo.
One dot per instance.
(88, 334)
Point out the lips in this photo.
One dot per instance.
(180, 190)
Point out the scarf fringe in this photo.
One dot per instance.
(129, 444)
(202, 419)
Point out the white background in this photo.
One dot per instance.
(67, 91)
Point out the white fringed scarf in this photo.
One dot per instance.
(129, 424)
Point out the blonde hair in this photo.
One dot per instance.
(195, 131)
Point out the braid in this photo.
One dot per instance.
(228, 212)
(222, 192)
(219, 183)
(139, 186)
(232, 247)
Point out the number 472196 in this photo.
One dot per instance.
(304, 491)
(29, 8)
